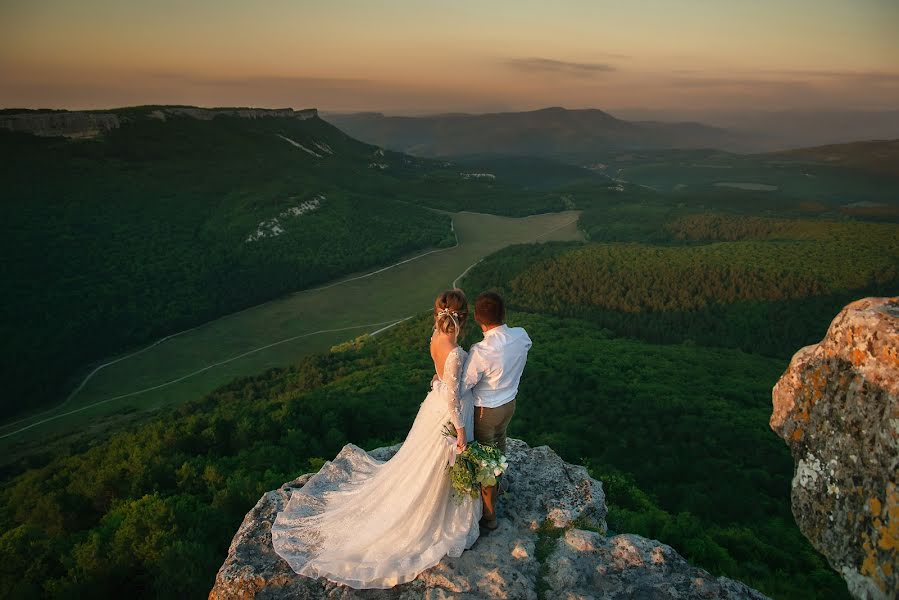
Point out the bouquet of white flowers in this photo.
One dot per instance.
(477, 465)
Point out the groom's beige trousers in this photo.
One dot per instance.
(490, 428)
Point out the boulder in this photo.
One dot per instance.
(837, 408)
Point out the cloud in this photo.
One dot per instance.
(544, 65)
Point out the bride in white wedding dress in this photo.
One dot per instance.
(391, 520)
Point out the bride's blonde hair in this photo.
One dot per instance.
(450, 311)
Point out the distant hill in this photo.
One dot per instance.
(570, 135)
(875, 156)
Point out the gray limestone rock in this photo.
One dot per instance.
(544, 492)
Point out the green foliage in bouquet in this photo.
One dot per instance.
(479, 465)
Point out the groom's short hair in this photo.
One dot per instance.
(489, 309)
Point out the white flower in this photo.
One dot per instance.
(505, 465)
(497, 472)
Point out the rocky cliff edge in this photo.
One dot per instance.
(551, 543)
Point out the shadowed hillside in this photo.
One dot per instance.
(131, 224)
(572, 135)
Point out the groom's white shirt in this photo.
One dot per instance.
(495, 364)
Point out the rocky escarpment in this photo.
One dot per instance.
(88, 124)
(837, 407)
(551, 543)
(206, 114)
(69, 124)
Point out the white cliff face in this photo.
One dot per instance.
(275, 226)
(545, 492)
(207, 114)
(296, 144)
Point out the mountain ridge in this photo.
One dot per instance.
(573, 134)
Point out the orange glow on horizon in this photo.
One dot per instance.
(416, 57)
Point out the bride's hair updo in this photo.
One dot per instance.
(450, 311)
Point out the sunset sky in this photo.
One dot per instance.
(404, 57)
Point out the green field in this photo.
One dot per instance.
(257, 336)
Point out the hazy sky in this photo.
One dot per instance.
(425, 56)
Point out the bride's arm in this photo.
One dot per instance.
(451, 375)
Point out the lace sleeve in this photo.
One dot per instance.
(452, 372)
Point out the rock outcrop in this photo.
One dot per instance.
(88, 124)
(71, 124)
(837, 407)
(547, 496)
(206, 114)
(586, 564)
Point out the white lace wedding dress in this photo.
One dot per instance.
(389, 520)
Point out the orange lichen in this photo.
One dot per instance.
(869, 563)
(797, 434)
(857, 357)
(888, 534)
(818, 379)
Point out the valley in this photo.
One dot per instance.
(226, 226)
(226, 300)
(275, 334)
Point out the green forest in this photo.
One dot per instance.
(122, 241)
(770, 290)
(150, 511)
(118, 241)
(656, 342)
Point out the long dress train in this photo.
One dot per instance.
(390, 520)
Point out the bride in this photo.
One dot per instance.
(391, 520)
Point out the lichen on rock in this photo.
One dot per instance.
(837, 407)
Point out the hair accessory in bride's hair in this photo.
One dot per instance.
(452, 314)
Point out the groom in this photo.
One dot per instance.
(492, 372)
